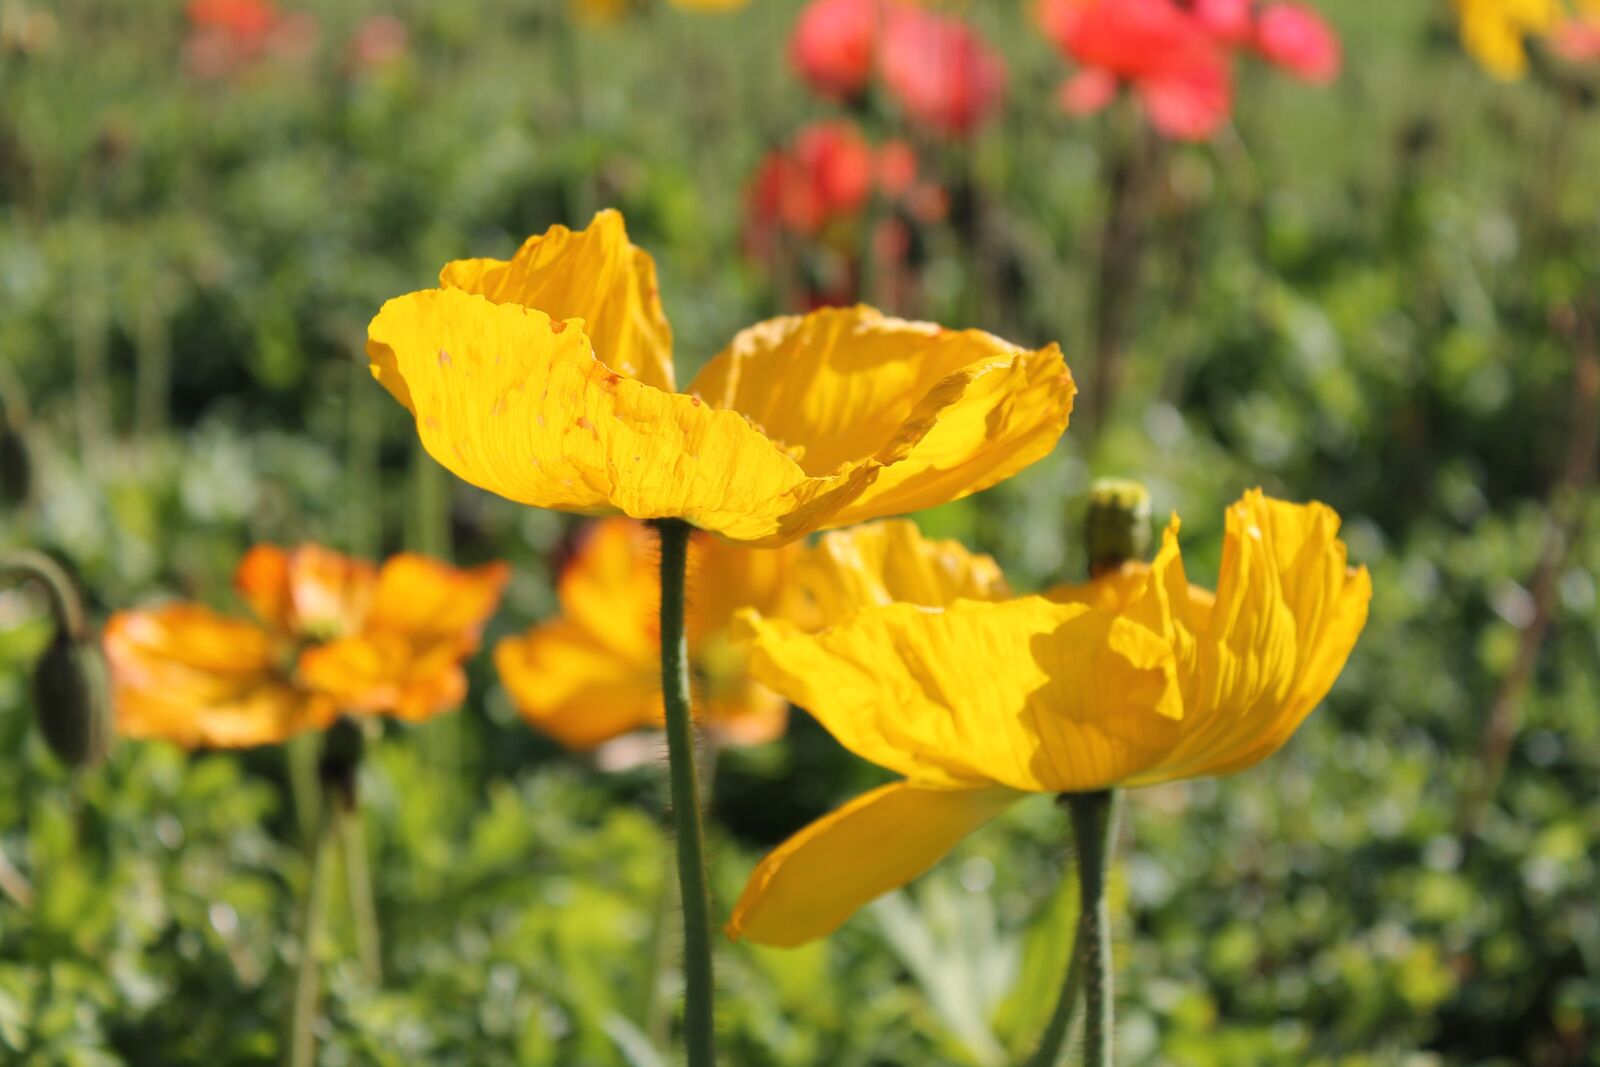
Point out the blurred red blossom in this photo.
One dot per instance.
(1164, 53)
(1578, 40)
(940, 70)
(808, 199)
(227, 35)
(936, 66)
(1296, 38)
(1176, 55)
(833, 43)
(379, 41)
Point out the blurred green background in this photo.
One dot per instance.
(1376, 294)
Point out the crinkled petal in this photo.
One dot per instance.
(593, 274)
(890, 561)
(1287, 613)
(185, 674)
(576, 689)
(1024, 693)
(517, 404)
(946, 413)
(813, 882)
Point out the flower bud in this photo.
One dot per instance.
(70, 700)
(1117, 526)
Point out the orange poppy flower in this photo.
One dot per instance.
(332, 635)
(592, 674)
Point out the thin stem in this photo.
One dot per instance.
(1048, 1054)
(65, 604)
(299, 1048)
(696, 893)
(300, 755)
(358, 886)
(1094, 827)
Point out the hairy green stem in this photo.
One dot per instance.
(696, 893)
(1094, 827)
(300, 1047)
(1054, 1041)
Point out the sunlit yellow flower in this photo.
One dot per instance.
(1495, 32)
(332, 635)
(1132, 679)
(593, 674)
(548, 379)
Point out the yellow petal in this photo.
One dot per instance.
(1287, 613)
(593, 274)
(945, 413)
(185, 674)
(880, 841)
(1025, 693)
(888, 562)
(576, 689)
(516, 404)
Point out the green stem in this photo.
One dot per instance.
(66, 606)
(698, 1023)
(358, 886)
(1048, 1054)
(299, 1048)
(1094, 827)
(300, 755)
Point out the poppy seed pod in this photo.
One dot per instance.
(1117, 526)
(70, 700)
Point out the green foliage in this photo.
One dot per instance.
(1361, 295)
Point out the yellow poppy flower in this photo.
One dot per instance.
(1495, 32)
(183, 673)
(1131, 679)
(392, 640)
(592, 674)
(548, 379)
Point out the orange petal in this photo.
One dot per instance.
(185, 674)
(309, 591)
(578, 690)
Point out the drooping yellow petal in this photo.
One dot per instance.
(945, 413)
(594, 274)
(426, 618)
(1025, 693)
(517, 404)
(1286, 616)
(888, 562)
(185, 674)
(812, 883)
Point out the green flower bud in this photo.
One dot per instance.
(71, 700)
(1117, 526)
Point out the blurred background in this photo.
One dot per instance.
(1381, 291)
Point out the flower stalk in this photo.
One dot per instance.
(696, 894)
(1094, 828)
(300, 1044)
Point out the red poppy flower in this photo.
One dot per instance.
(1164, 53)
(942, 72)
(833, 43)
(1296, 38)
